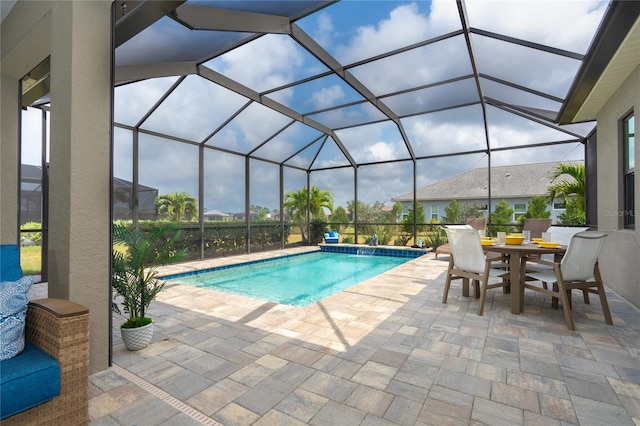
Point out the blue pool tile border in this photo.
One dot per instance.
(234, 265)
(373, 251)
(334, 248)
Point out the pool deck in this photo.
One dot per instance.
(383, 352)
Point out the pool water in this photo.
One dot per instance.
(294, 280)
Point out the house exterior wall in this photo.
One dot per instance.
(442, 204)
(77, 36)
(619, 260)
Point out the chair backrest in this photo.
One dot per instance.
(477, 223)
(536, 226)
(467, 250)
(582, 254)
(563, 234)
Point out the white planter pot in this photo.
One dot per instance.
(137, 338)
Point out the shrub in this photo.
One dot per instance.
(35, 236)
(318, 229)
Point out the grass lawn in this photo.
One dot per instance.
(30, 260)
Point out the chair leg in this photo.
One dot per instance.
(603, 296)
(447, 284)
(605, 305)
(447, 281)
(566, 306)
(465, 287)
(483, 295)
(585, 295)
(476, 289)
(554, 300)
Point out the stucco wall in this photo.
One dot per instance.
(620, 258)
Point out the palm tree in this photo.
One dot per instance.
(295, 204)
(177, 206)
(567, 189)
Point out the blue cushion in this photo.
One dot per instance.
(27, 380)
(10, 269)
(14, 297)
(332, 234)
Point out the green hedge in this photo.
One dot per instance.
(225, 238)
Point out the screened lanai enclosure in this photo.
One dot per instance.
(241, 105)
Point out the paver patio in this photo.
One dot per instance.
(386, 351)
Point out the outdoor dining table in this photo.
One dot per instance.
(516, 252)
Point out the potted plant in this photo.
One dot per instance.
(136, 256)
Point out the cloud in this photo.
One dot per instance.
(327, 97)
(275, 60)
(264, 63)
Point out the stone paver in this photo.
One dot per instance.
(383, 352)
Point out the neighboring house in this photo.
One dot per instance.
(123, 200)
(516, 184)
(243, 215)
(216, 215)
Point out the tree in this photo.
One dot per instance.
(502, 215)
(537, 208)
(177, 206)
(369, 216)
(295, 204)
(407, 223)
(261, 212)
(394, 215)
(573, 187)
(457, 212)
(573, 214)
(339, 219)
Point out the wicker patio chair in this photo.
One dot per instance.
(61, 328)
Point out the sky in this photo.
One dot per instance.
(353, 31)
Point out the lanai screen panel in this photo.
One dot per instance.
(224, 182)
(288, 143)
(249, 129)
(378, 142)
(421, 66)
(318, 94)
(352, 84)
(448, 131)
(133, 101)
(410, 57)
(169, 166)
(341, 183)
(194, 110)
(267, 63)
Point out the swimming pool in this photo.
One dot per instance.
(297, 280)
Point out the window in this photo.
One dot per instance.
(628, 170)
(434, 212)
(519, 209)
(559, 205)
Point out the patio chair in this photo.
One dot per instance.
(477, 223)
(577, 270)
(563, 236)
(468, 262)
(536, 226)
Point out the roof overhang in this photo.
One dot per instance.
(612, 57)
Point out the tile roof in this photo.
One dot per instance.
(519, 180)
